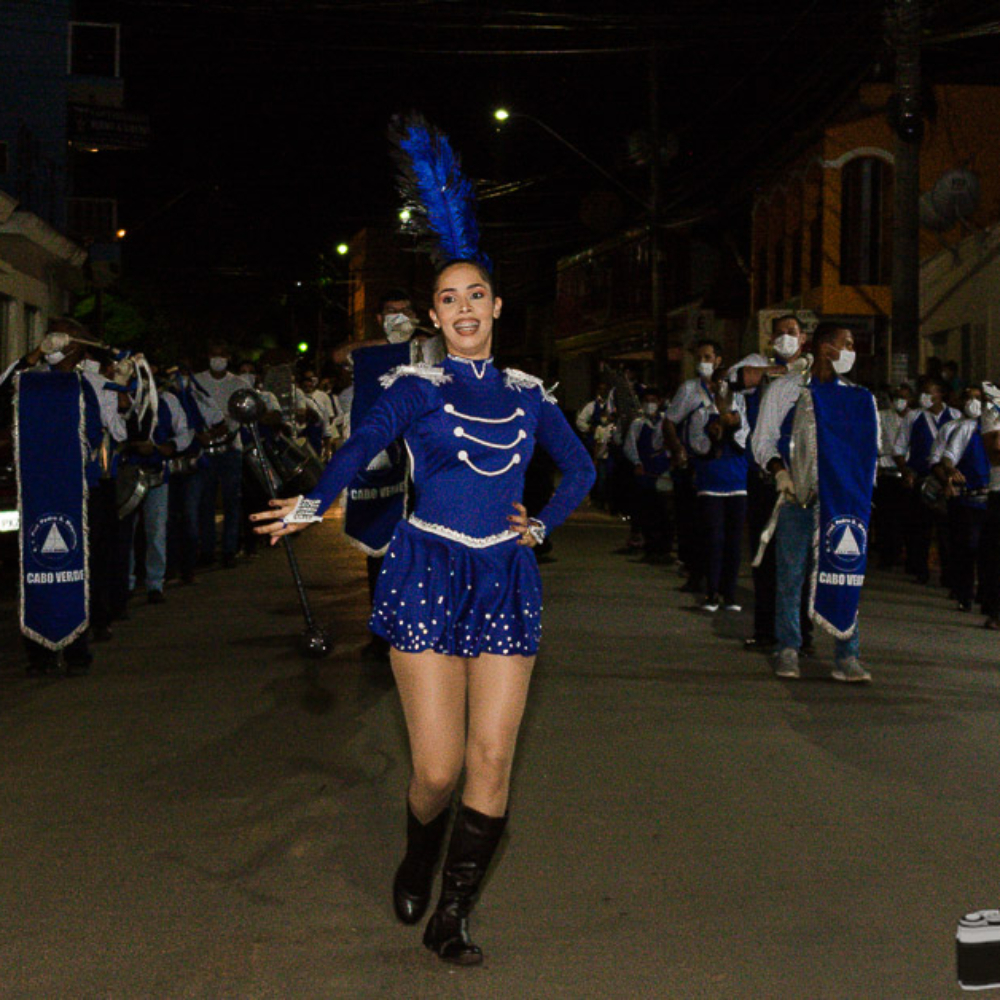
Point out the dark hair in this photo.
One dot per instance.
(782, 318)
(714, 344)
(484, 272)
(826, 333)
(393, 295)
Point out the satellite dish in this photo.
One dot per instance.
(956, 195)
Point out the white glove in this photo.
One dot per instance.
(52, 343)
(785, 484)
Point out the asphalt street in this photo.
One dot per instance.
(209, 815)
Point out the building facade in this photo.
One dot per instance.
(822, 228)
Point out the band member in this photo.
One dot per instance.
(205, 423)
(154, 439)
(693, 395)
(459, 596)
(377, 499)
(916, 439)
(818, 436)
(890, 509)
(717, 436)
(223, 465)
(645, 450)
(751, 377)
(964, 470)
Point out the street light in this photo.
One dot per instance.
(650, 207)
(503, 114)
(342, 249)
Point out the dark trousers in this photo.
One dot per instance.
(920, 525)
(121, 553)
(183, 523)
(654, 516)
(689, 547)
(887, 519)
(223, 471)
(989, 562)
(722, 520)
(254, 499)
(102, 524)
(621, 484)
(966, 529)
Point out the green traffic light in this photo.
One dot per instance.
(501, 114)
(303, 347)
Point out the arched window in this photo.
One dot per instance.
(865, 222)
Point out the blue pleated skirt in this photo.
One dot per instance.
(435, 593)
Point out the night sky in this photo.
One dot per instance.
(269, 117)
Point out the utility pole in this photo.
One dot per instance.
(655, 249)
(907, 121)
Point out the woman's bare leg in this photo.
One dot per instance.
(432, 689)
(498, 691)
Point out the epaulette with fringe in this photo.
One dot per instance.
(433, 373)
(514, 379)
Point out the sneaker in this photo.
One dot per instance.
(787, 664)
(850, 671)
(710, 604)
(732, 606)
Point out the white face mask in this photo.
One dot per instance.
(786, 346)
(845, 362)
(218, 364)
(899, 405)
(54, 358)
(398, 327)
(651, 409)
(705, 369)
(90, 365)
(974, 408)
(926, 401)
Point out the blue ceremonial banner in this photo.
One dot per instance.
(50, 455)
(376, 498)
(846, 454)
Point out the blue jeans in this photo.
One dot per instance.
(225, 470)
(792, 547)
(154, 517)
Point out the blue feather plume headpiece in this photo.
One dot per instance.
(439, 199)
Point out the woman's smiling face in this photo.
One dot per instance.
(464, 309)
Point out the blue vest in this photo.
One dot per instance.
(725, 475)
(653, 463)
(975, 466)
(922, 440)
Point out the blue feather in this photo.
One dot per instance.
(441, 199)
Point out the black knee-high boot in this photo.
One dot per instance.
(411, 889)
(474, 840)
